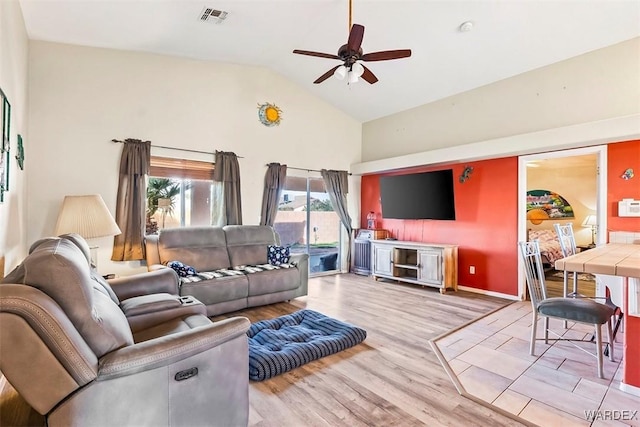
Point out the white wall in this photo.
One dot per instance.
(83, 97)
(13, 81)
(80, 98)
(599, 85)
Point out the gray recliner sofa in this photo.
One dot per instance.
(81, 356)
(230, 248)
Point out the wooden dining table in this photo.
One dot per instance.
(616, 259)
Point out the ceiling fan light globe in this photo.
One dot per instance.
(357, 69)
(340, 73)
(353, 77)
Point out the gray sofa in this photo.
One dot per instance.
(232, 247)
(85, 354)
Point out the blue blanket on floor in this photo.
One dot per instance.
(284, 343)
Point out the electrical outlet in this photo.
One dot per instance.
(472, 269)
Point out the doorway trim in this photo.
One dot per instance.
(601, 196)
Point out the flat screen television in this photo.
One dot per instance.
(427, 195)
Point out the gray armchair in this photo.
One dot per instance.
(68, 347)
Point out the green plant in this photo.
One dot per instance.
(320, 205)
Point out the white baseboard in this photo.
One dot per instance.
(490, 293)
(631, 389)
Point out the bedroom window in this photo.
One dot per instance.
(180, 193)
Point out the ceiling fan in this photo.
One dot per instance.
(351, 55)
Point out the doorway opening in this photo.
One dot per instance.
(574, 182)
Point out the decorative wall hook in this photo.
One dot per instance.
(628, 174)
(466, 174)
(20, 155)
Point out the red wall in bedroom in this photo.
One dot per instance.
(622, 156)
(485, 227)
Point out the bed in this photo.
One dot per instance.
(549, 246)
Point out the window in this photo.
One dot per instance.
(181, 193)
(307, 223)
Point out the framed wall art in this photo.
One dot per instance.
(543, 205)
(4, 144)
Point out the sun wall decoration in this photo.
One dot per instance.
(543, 205)
(269, 114)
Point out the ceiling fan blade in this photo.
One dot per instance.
(355, 37)
(326, 75)
(368, 76)
(318, 54)
(386, 55)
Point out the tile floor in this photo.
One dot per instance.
(490, 359)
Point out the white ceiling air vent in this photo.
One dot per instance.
(212, 15)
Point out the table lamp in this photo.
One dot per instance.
(164, 204)
(591, 221)
(87, 216)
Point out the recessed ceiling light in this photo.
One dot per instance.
(465, 26)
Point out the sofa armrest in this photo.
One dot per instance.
(152, 255)
(169, 349)
(146, 311)
(298, 258)
(302, 262)
(163, 280)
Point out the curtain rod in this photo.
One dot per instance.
(177, 149)
(309, 170)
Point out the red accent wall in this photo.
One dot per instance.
(622, 156)
(487, 221)
(486, 225)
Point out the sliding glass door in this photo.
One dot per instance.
(307, 223)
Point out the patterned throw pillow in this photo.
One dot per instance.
(278, 254)
(182, 269)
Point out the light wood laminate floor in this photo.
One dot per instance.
(392, 378)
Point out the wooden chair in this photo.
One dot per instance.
(579, 310)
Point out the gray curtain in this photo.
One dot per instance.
(337, 184)
(227, 171)
(274, 180)
(130, 204)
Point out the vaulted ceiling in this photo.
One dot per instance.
(506, 38)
